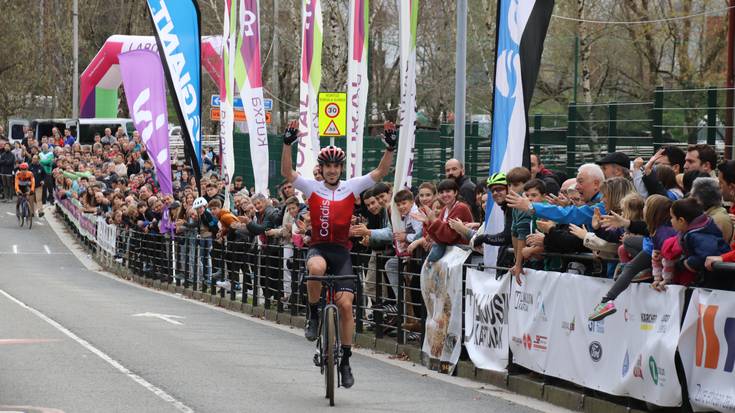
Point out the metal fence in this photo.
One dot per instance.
(672, 117)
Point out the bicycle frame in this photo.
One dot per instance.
(329, 303)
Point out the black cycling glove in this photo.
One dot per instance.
(291, 135)
(390, 137)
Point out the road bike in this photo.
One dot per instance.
(328, 353)
(24, 211)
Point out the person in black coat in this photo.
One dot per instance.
(7, 164)
(454, 169)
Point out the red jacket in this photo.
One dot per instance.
(440, 231)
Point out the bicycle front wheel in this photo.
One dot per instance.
(330, 341)
(23, 214)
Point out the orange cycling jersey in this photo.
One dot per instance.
(25, 179)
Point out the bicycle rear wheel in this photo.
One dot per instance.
(330, 340)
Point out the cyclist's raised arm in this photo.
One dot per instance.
(289, 137)
(390, 139)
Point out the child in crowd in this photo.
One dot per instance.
(535, 190)
(437, 225)
(699, 238)
(658, 223)
(521, 221)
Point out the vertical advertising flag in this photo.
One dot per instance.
(249, 78)
(521, 31)
(226, 92)
(176, 25)
(145, 91)
(357, 83)
(311, 77)
(408, 20)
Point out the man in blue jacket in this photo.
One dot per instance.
(589, 179)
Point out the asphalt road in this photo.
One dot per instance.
(73, 339)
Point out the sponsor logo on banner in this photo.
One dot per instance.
(522, 301)
(708, 345)
(626, 364)
(647, 321)
(540, 309)
(489, 318)
(527, 341)
(595, 351)
(597, 327)
(568, 326)
(658, 375)
(664, 325)
(638, 369)
(540, 343)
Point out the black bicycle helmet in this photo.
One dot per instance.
(331, 154)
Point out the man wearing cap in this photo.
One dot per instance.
(616, 164)
(497, 186)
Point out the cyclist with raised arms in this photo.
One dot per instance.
(331, 203)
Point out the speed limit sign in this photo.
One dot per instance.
(332, 110)
(332, 114)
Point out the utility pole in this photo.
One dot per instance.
(576, 66)
(75, 46)
(730, 81)
(274, 71)
(460, 81)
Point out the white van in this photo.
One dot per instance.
(82, 129)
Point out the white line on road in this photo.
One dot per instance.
(10, 213)
(48, 250)
(119, 367)
(165, 317)
(15, 249)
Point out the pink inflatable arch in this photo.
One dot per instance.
(101, 79)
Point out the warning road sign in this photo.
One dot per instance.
(332, 114)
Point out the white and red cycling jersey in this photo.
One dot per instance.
(331, 210)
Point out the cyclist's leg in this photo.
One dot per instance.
(344, 301)
(316, 264)
(31, 202)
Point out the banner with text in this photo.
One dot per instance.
(177, 35)
(249, 77)
(227, 92)
(357, 83)
(441, 288)
(629, 353)
(707, 349)
(145, 91)
(311, 78)
(486, 319)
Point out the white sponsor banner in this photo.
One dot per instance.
(486, 319)
(357, 84)
(441, 288)
(629, 353)
(106, 236)
(707, 349)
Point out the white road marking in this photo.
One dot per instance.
(114, 363)
(15, 249)
(10, 213)
(48, 250)
(165, 317)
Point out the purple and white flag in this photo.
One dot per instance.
(145, 91)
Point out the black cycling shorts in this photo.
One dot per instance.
(339, 262)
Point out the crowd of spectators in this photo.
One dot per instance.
(661, 220)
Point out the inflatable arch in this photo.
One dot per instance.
(101, 79)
